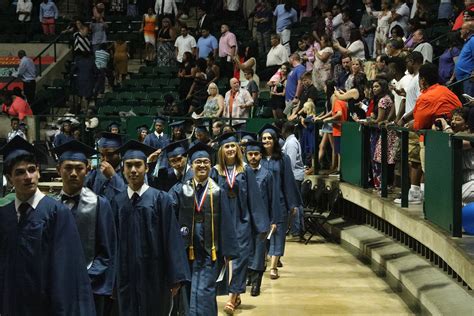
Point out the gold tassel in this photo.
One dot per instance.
(213, 253)
(191, 253)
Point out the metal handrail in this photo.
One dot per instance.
(38, 56)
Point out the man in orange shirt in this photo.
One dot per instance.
(434, 102)
(15, 106)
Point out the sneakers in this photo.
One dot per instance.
(414, 197)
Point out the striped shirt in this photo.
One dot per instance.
(81, 43)
(101, 59)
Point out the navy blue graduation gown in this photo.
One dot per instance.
(270, 196)
(200, 296)
(42, 265)
(153, 141)
(250, 217)
(61, 138)
(167, 178)
(102, 270)
(290, 197)
(151, 255)
(100, 185)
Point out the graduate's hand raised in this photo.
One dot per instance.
(107, 170)
(175, 289)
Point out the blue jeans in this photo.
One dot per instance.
(468, 86)
(297, 220)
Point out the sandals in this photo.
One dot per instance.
(274, 274)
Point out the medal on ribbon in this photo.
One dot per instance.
(230, 178)
(198, 204)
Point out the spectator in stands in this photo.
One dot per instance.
(149, 27)
(411, 93)
(276, 57)
(98, 10)
(422, 46)
(92, 121)
(165, 46)
(184, 43)
(368, 25)
(16, 131)
(465, 63)
(356, 68)
(448, 59)
(397, 33)
(27, 74)
(285, 17)
(394, 48)
(263, 19)
(186, 74)
(244, 61)
(23, 9)
(102, 58)
(204, 22)
(413, 25)
(277, 92)
(322, 62)
(347, 25)
(344, 74)
(381, 64)
(197, 93)
(396, 72)
(166, 8)
(14, 105)
(383, 26)
(82, 44)
(356, 48)
(400, 15)
(231, 9)
(213, 71)
(227, 51)
(237, 102)
(65, 134)
(307, 136)
(206, 44)
(468, 6)
(354, 96)
(334, 23)
(120, 53)
(99, 33)
(214, 104)
(251, 85)
(85, 74)
(48, 15)
(294, 87)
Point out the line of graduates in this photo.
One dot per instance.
(111, 243)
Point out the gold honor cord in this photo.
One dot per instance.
(213, 249)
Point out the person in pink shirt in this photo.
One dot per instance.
(227, 51)
(16, 106)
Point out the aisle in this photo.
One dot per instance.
(321, 279)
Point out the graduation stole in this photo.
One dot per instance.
(198, 206)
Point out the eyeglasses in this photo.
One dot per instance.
(204, 162)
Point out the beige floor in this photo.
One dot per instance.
(321, 279)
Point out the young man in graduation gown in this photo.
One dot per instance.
(207, 230)
(178, 171)
(94, 219)
(270, 196)
(158, 139)
(107, 179)
(152, 262)
(42, 266)
(202, 135)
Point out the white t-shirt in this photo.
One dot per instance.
(184, 44)
(24, 6)
(404, 12)
(277, 55)
(412, 91)
(426, 50)
(357, 50)
(336, 26)
(232, 5)
(401, 84)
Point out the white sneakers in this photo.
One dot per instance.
(415, 197)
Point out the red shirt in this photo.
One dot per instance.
(19, 108)
(460, 19)
(433, 103)
(339, 106)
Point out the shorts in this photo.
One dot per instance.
(413, 148)
(289, 106)
(327, 128)
(337, 144)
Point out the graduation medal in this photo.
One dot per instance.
(230, 178)
(198, 205)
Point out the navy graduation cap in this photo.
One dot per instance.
(177, 124)
(227, 138)
(247, 136)
(202, 129)
(74, 150)
(110, 140)
(199, 150)
(159, 119)
(253, 145)
(113, 124)
(17, 147)
(142, 128)
(175, 149)
(135, 150)
(269, 128)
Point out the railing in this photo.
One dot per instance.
(39, 58)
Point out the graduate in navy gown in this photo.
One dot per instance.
(107, 178)
(94, 219)
(270, 196)
(250, 215)
(202, 135)
(290, 199)
(114, 128)
(151, 260)
(178, 171)
(64, 135)
(158, 139)
(207, 229)
(42, 266)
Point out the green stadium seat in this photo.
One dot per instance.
(141, 110)
(156, 95)
(107, 110)
(140, 95)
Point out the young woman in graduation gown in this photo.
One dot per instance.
(250, 216)
(280, 166)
